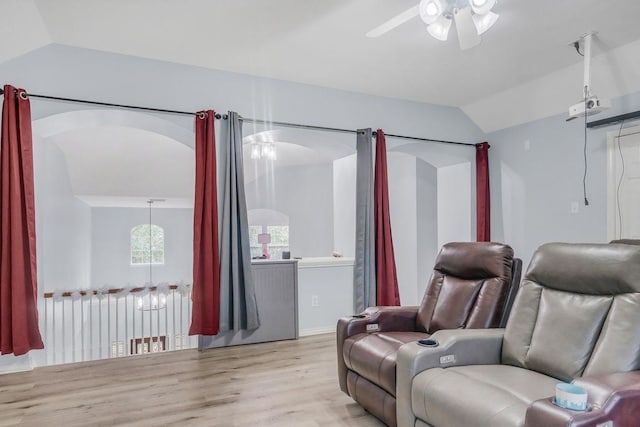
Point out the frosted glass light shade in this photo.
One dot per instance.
(482, 7)
(484, 22)
(439, 30)
(431, 10)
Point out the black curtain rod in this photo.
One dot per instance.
(219, 116)
(613, 120)
(109, 104)
(330, 129)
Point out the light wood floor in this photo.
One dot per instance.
(286, 383)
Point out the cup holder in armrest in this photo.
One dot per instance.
(428, 342)
(358, 316)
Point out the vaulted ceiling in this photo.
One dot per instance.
(323, 43)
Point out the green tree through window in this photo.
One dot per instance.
(147, 244)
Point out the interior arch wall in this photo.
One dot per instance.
(64, 222)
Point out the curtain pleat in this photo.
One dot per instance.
(483, 195)
(364, 273)
(205, 317)
(386, 276)
(238, 307)
(19, 331)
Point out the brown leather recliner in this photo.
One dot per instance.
(576, 319)
(473, 285)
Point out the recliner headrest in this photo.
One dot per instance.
(593, 269)
(475, 260)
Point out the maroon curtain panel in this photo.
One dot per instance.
(483, 193)
(205, 318)
(19, 330)
(386, 276)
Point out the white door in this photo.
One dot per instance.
(624, 184)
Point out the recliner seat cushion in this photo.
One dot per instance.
(478, 395)
(373, 355)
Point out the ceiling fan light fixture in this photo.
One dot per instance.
(484, 22)
(482, 7)
(439, 30)
(430, 10)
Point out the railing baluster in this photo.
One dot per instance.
(73, 330)
(116, 331)
(126, 322)
(158, 318)
(109, 342)
(142, 323)
(91, 326)
(188, 319)
(64, 352)
(81, 327)
(99, 327)
(134, 305)
(150, 322)
(46, 338)
(53, 331)
(173, 309)
(166, 323)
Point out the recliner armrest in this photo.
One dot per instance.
(399, 319)
(459, 346)
(388, 319)
(613, 397)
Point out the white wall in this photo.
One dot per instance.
(454, 204)
(91, 74)
(305, 194)
(404, 222)
(330, 282)
(63, 224)
(111, 255)
(427, 222)
(63, 242)
(344, 205)
(536, 173)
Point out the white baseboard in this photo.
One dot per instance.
(10, 364)
(316, 331)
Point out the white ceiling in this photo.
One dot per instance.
(323, 42)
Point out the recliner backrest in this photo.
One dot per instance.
(577, 312)
(468, 287)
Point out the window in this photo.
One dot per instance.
(147, 244)
(279, 236)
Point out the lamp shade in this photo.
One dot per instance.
(484, 22)
(440, 29)
(264, 238)
(482, 7)
(431, 10)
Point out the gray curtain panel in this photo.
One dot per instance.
(364, 271)
(238, 309)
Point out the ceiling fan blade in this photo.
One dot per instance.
(394, 22)
(467, 33)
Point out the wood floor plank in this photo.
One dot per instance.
(285, 383)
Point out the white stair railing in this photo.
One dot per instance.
(100, 324)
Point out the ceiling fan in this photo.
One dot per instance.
(471, 18)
